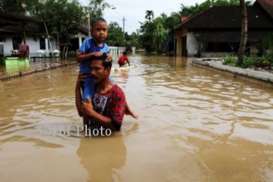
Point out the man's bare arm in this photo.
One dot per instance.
(90, 112)
(78, 98)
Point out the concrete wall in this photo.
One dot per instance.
(34, 45)
(53, 44)
(116, 51)
(192, 44)
(7, 46)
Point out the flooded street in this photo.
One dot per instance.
(194, 124)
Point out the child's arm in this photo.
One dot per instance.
(85, 56)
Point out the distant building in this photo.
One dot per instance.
(14, 27)
(216, 31)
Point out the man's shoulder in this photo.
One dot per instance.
(117, 91)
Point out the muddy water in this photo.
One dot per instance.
(195, 125)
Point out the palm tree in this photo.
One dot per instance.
(149, 15)
(244, 32)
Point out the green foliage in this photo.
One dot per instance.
(155, 32)
(62, 18)
(132, 40)
(20, 7)
(197, 8)
(10, 6)
(230, 60)
(172, 21)
(269, 56)
(116, 35)
(96, 8)
(149, 15)
(267, 45)
(248, 62)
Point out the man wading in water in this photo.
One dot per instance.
(109, 102)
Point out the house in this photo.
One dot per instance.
(216, 31)
(14, 27)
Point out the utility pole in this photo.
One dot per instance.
(89, 24)
(123, 23)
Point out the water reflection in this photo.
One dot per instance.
(102, 157)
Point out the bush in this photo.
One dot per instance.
(265, 62)
(269, 57)
(249, 62)
(230, 60)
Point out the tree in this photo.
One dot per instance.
(146, 37)
(172, 21)
(132, 40)
(244, 32)
(19, 6)
(62, 18)
(11, 6)
(96, 8)
(159, 33)
(116, 36)
(156, 34)
(197, 8)
(149, 15)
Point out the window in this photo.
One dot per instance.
(42, 43)
(1, 50)
(16, 41)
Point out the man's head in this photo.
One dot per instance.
(99, 30)
(101, 68)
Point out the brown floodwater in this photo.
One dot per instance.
(194, 124)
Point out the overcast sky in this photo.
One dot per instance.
(134, 10)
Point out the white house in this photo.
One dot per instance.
(37, 46)
(14, 27)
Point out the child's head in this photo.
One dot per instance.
(124, 53)
(99, 30)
